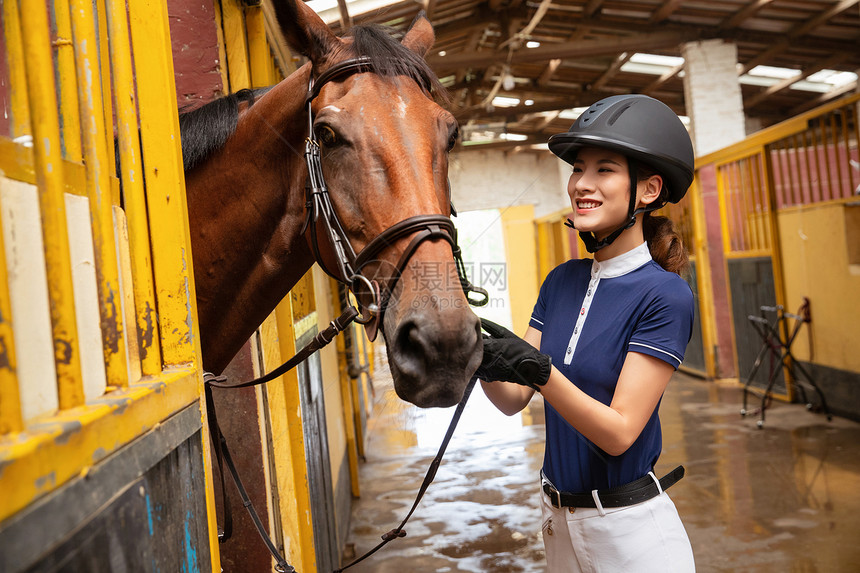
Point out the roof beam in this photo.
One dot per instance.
(664, 11)
(553, 64)
(665, 77)
(591, 7)
(345, 18)
(612, 70)
(640, 42)
(743, 14)
(824, 98)
(788, 82)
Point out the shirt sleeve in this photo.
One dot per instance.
(539, 313)
(667, 324)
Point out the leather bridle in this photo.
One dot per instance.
(329, 241)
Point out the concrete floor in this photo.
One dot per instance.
(785, 498)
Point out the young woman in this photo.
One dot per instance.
(603, 341)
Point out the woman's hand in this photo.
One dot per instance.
(509, 358)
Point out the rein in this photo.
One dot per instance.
(338, 259)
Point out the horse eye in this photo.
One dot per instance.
(326, 136)
(452, 140)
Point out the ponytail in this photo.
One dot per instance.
(665, 244)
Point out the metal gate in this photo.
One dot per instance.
(100, 417)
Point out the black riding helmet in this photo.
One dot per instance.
(644, 130)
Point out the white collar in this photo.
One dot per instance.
(622, 264)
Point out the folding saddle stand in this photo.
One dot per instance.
(776, 341)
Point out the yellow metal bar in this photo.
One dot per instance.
(17, 69)
(49, 176)
(69, 108)
(165, 181)
(222, 51)
(236, 45)
(105, 67)
(345, 397)
(259, 57)
(288, 432)
(776, 132)
(68, 444)
(99, 190)
(775, 253)
(133, 189)
(703, 278)
(10, 398)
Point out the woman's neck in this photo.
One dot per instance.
(626, 241)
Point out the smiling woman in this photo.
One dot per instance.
(604, 339)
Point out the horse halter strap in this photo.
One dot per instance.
(329, 242)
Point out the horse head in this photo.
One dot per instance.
(383, 150)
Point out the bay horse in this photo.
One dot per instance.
(384, 146)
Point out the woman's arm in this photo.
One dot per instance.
(612, 428)
(508, 397)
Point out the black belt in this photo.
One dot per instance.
(631, 493)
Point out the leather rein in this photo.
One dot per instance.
(334, 253)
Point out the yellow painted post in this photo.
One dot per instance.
(236, 44)
(769, 198)
(301, 521)
(69, 108)
(133, 189)
(17, 71)
(107, 102)
(259, 58)
(222, 52)
(49, 179)
(98, 189)
(165, 181)
(173, 272)
(703, 278)
(348, 413)
(10, 399)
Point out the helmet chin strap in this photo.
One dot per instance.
(592, 244)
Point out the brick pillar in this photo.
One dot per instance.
(713, 94)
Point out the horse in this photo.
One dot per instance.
(383, 144)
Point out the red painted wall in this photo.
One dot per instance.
(196, 63)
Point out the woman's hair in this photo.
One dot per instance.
(664, 242)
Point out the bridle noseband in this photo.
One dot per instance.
(329, 241)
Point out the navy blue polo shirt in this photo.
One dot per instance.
(591, 314)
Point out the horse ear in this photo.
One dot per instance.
(420, 36)
(304, 30)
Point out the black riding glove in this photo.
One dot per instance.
(510, 358)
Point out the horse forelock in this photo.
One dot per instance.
(206, 129)
(388, 57)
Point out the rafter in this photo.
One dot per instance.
(665, 77)
(788, 82)
(640, 42)
(620, 60)
(591, 7)
(345, 18)
(743, 14)
(664, 11)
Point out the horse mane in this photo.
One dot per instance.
(206, 129)
(388, 57)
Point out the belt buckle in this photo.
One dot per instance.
(554, 496)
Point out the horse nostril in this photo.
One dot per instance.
(411, 347)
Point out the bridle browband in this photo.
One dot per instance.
(329, 241)
(346, 266)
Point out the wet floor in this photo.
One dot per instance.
(785, 498)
